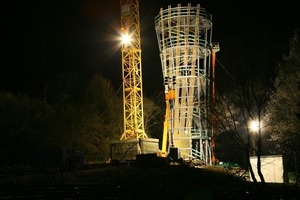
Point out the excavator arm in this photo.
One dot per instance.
(165, 130)
(169, 97)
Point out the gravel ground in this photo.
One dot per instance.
(133, 182)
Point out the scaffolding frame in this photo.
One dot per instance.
(184, 35)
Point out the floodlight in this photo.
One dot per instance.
(126, 39)
(254, 126)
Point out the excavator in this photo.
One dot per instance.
(169, 155)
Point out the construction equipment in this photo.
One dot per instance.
(184, 35)
(134, 140)
(132, 71)
(169, 99)
(168, 149)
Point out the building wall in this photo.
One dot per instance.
(271, 167)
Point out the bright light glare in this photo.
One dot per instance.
(126, 39)
(254, 126)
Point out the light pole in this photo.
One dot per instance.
(254, 126)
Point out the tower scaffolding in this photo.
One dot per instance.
(133, 141)
(184, 35)
(132, 71)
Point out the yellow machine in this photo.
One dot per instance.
(169, 152)
(169, 98)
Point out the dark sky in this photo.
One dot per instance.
(40, 38)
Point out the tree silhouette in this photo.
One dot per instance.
(235, 109)
(284, 108)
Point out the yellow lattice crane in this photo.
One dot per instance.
(132, 71)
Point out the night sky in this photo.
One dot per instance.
(41, 38)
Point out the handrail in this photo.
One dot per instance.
(185, 10)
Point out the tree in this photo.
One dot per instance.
(235, 109)
(64, 93)
(154, 115)
(284, 108)
(88, 114)
(25, 125)
(101, 121)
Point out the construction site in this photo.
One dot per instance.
(187, 53)
(182, 163)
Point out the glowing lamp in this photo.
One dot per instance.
(254, 126)
(126, 39)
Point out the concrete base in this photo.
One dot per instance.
(127, 150)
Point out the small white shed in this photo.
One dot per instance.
(271, 167)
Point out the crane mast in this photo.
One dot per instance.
(132, 71)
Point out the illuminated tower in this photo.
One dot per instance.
(184, 35)
(132, 71)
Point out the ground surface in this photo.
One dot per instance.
(133, 182)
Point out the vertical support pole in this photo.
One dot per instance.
(215, 48)
(213, 104)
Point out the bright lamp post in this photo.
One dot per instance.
(255, 128)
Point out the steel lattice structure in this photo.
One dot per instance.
(132, 72)
(184, 36)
